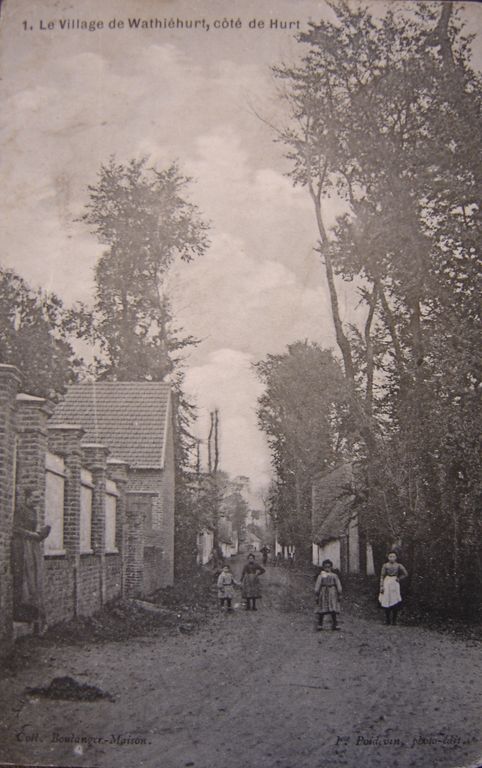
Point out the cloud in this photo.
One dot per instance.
(256, 306)
(70, 101)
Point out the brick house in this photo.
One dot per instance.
(336, 533)
(100, 466)
(134, 420)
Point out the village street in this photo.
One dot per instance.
(256, 689)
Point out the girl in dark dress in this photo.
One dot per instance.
(328, 591)
(250, 582)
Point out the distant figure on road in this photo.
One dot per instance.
(250, 582)
(390, 597)
(279, 558)
(265, 552)
(328, 590)
(226, 584)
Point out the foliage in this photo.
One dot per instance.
(36, 335)
(234, 508)
(303, 414)
(384, 113)
(208, 498)
(143, 217)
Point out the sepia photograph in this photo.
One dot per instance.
(240, 379)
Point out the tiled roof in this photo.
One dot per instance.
(332, 504)
(129, 417)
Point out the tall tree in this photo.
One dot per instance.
(143, 217)
(302, 412)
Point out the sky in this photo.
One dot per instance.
(207, 98)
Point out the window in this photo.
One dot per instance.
(110, 516)
(86, 494)
(54, 503)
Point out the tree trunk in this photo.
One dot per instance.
(369, 350)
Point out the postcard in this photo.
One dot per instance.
(239, 426)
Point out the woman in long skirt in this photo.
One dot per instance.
(250, 582)
(390, 597)
(328, 590)
(27, 565)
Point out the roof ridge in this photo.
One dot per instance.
(130, 382)
(129, 417)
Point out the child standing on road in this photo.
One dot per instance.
(250, 582)
(226, 584)
(328, 590)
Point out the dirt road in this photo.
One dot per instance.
(256, 689)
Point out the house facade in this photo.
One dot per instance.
(134, 420)
(336, 532)
(98, 469)
(205, 545)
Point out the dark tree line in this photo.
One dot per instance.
(385, 113)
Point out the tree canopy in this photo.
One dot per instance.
(37, 335)
(302, 411)
(146, 221)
